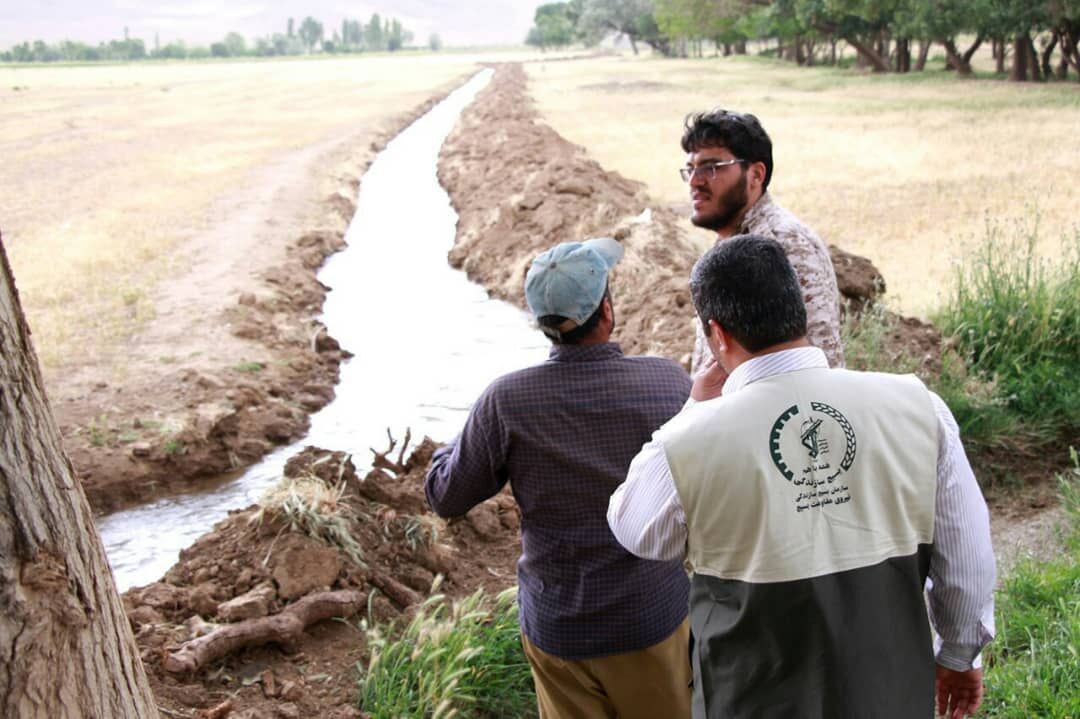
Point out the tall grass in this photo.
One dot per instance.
(1015, 320)
(460, 660)
(1033, 666)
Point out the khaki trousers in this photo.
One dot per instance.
(652, 683)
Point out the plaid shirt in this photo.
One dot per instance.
(563, 434)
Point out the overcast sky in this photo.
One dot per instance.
(458, 22)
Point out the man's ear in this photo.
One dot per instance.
(607, 309)
(757, 173)
(717, 338)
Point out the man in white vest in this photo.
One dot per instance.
(813, 505)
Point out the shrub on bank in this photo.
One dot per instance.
(1011, 369)
(1015, 321)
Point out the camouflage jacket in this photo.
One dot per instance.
(813, 266)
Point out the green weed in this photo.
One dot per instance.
(1033, 666)
(463, 660)
(173, 447)
(1015, 320)
(249, 367)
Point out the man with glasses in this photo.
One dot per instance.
(605, 633)
(729, 165)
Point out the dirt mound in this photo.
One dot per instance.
(261, 560)
(519, 188)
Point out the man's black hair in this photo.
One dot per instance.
(741, 133)
(576, 335)
(748, 286)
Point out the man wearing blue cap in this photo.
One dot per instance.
(604, 631)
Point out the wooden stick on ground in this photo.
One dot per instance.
(284, 628)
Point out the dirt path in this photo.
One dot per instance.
(233, 362)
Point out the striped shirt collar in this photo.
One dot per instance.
(585, 353)
(774, 363)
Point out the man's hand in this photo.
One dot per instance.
(959, 694)
(709, 381)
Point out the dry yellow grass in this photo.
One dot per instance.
(107, 168)
(902, 170)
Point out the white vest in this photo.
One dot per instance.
(806, 473)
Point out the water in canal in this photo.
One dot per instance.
(425, 341)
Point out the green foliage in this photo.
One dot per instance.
(1033, 666)
(462, 660)
(310, 32)
(1015, 321)
(249, 367)
(309, 37)
(865, 338)
(173, 447)
(553, 25)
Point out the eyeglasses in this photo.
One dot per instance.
(707, 170)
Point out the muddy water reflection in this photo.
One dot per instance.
(426, 342)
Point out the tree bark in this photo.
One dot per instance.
(1070, 47)
(868, 54)
(1033, 60)
(961, 62)
(999, 56)
(924, 52)
(903, 55)
(1047, 52)
(66, 646)
(1019, 64)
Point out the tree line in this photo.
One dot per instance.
(1030, 39)
(309, 36)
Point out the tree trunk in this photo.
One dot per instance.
(740, 47)
(1033, 60)
(1019, 64)
(1047, 52)
(924, 52)
(999, 56)
(832, 51)
(868, 54)
(903, 55)
(1070, 48)
(65, 642)
(961, 62)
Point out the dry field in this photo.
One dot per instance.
(904, 170)
(111, 173)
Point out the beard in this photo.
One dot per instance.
(728, 207)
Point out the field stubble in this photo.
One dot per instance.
(109, 169)
(903, 171)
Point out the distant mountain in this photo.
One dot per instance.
(458, 22)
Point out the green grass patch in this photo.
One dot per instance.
(1015, 321)
(459, 660)
(1033, 666)
(249, 367)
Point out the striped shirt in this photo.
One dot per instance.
(647, 517)
(562, 434)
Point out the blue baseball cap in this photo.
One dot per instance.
(569, 280)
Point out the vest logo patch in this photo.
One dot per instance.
(812, 451)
